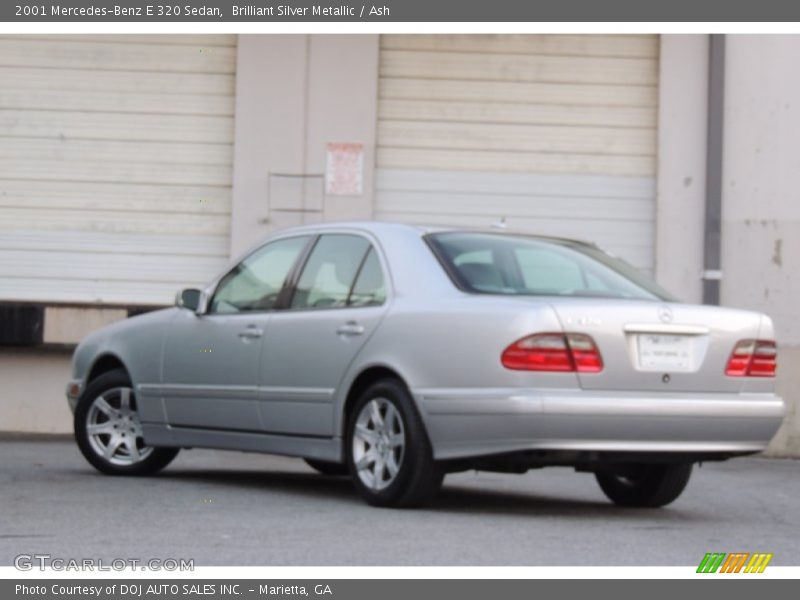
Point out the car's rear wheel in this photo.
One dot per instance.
(108, 431)
(388, 450)
(327, 468)
(650, 485)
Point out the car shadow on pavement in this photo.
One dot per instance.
(451, 499)
(308, 484)
(458, 499)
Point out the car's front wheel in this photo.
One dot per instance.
(108, 431)
(388, 451)
(650, 485)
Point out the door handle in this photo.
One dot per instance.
(252, 332)
(350, 328)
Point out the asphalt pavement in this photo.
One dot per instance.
(230, 508)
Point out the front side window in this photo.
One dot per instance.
(507, 264)
(254, 284)
(339, 272)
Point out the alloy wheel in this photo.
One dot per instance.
(379, 442)
(114, 430)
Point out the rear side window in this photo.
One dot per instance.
(518, 265)
(342, 270)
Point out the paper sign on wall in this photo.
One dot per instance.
(344, 169)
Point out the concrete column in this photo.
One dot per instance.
(680, 203)
(761, 194)
(294, 95)
(343, 107)
(761, 200)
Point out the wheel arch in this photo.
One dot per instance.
(365, 378)
(105, 363)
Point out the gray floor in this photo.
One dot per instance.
(224, 508)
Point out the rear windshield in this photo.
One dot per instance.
(494, 263)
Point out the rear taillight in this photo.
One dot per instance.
(753, 358)
(554, 352)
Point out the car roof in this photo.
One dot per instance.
(378, 227)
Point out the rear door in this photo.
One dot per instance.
(659, 346)
(337, 302)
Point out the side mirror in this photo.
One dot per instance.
(188, 299)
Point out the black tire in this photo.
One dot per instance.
(156, 458)
(646, 486)
(419, 476)
(327, 468)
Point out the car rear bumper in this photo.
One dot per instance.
(467, 422)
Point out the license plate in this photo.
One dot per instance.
(665, 352)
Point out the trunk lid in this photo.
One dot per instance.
(659, 346)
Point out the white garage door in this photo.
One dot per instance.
(115, 165)
(556, 134)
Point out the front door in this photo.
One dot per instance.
(211, 361)
(336, 305)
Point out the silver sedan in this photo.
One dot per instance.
(397, 354)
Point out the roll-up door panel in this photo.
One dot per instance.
(115, 165)
(554, 134)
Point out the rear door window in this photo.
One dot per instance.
(330, 271)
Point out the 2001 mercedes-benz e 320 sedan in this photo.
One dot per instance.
(397, 354)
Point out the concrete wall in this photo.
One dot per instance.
(787, 441)
(680, 202)
(33, 383)
(761, 198)
(33, 380)
(294, 95)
